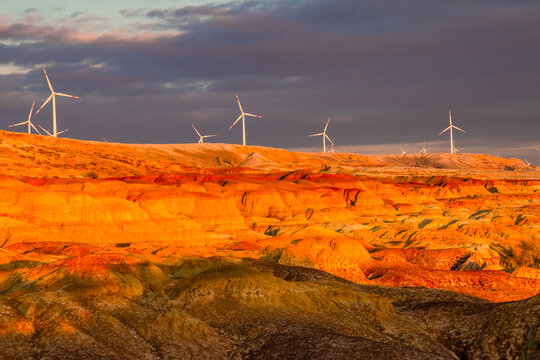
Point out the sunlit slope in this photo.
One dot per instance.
(39, 156)
(465, 230)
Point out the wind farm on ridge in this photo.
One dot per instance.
(242, 117)
(159, 217)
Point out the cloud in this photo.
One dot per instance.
(386, 71)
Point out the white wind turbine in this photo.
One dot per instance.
(53, 97)
(243, 117)
(452, 148)
(48, 133)
(201, 137)
(424, 150)
(402, 151)
(29, 122)
(324, 136)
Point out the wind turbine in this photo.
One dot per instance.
(423, 151)
(201, 137)
(331, 145)
(243, 117)
(324, 136)
(29, 122)
(402, 151)
(53, 97)
(48, 133)
(452, 149)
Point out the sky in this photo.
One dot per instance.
(386, 71)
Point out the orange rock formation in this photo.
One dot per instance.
(118, 220)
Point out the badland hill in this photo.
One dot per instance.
(229, 252)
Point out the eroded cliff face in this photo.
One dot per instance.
(478, 237)
(184, 251)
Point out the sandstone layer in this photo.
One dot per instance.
(223, 251)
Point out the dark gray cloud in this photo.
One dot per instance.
(386, 71)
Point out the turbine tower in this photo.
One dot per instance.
(423, 151)
(452, 148)
(29, 122)
(243, 117)
(53, 97)
(324, 136)
(201, 137)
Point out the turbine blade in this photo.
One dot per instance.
(35, 128)
(234, 123)
(455, 127)
(327, 122)
(63, 131)
(257, 116)
(445, 130)
(450, 116)
(45, 103)
(42, 128)
(47, 77)
(66, 95)
(31, 109)
(319, 134)
(193, 126)
(239, 105)
(328, 138)
(22, 123)
(207, 136)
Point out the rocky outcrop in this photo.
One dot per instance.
(434, 231)
(123, 306)
(182, 251)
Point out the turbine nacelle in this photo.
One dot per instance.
(53, 98)
(453, 150)
(243, 117)
(201, 137)
(424, 150)
(324, 136)
(29, 122)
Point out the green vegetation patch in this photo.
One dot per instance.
(521, 220)
(272, 230)
(452, 222)
(123, 245)
(92, 174)
(273, 255)
(480, 214)
(20, 264)
(424, 223)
